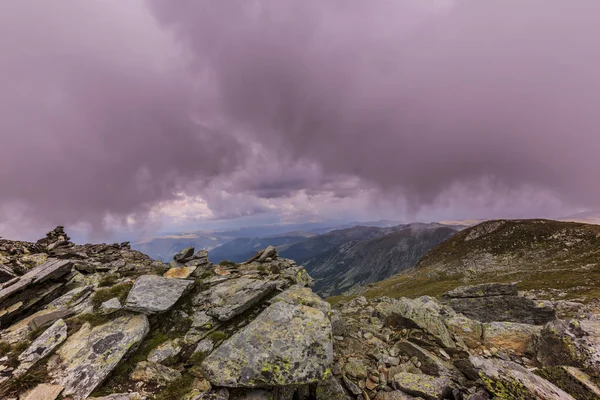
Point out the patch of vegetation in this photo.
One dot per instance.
(176, 389)
(108, 280)
(197, 358)
(4, 349)
(506, 390)
(217, 336)
(262, 268)
(15, 386)
(205, 275)
(227, 263)
(119, 291)
(34, 334)
(566, 382)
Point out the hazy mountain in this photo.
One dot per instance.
(343, 259)
(241, 249)
(165, 246)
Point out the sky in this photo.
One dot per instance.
(144, 116)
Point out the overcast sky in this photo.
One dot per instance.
(151, 115)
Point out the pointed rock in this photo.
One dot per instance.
(184, 254)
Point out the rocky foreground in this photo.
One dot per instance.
(107, 322)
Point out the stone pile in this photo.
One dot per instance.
(121, 325)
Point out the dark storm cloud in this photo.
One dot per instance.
(103, 112)
(501, 89)
(94, 121)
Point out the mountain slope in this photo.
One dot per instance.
(341, 260)
(548, 256)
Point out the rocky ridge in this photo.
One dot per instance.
(107, 322)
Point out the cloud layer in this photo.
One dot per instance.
(267, 106)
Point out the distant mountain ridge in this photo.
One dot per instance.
(341, 260)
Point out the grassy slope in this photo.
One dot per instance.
(541, 254)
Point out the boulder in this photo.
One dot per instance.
(466, 331)
(184, 255)
(269, 253)
(509, 336)
(87, 357)
(428, 387)
(430, 363)
(483, 290)
(331, 389)
(499, 302)
(233, 297)
(42, 346)
(47, 319)
(110, 306)
(304, 296)
(153, 294)
(424, 313)
(182, 272)
(155, 373)
(507, 379)
(51, 270)
(285, 345)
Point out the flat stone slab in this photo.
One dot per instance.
(48, 319)
(87, 357)
(231, 298)
(51, 270)
(42, 346)
(44, 391)
(153, 294)
(285, 345)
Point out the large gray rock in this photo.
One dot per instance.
(499, 302)
(285, 345)
(184, 254)
(430, 363)
(424, 313)
(425, 386)
(42, 346)
(484, 290)
(233, 297)
(87, 357)
(516, 381)
(153, 294)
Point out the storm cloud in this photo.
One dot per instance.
(113, 109)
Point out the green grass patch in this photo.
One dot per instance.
(17, 385)
(217, 336)
(4, 349)
(108, 280)
(227, 263)
(119, 291)
(176, 389)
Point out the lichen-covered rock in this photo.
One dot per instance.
(151, 372)
(87, 357)
(509, 380)
(424, 313)
(428, 387)
(164, 351)
(42, 346)
(499, 302)
(285, 345)
(110, 306)
(305, 296)
(509, 336)
(466, 331)
(430, 363)
(153, 294)
(331, 389)
(393, 395)
(233, 297)
(184, 254)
